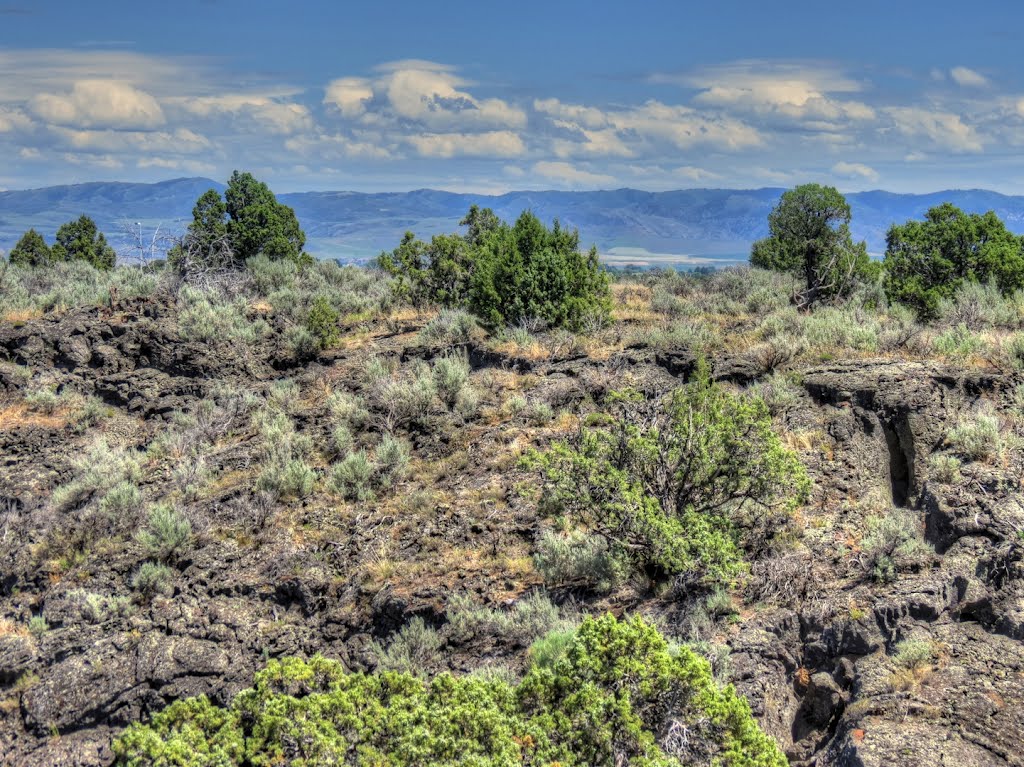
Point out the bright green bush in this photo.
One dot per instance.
(681, 491)
(613, 693)
(451, 372)
(928, 261)
(504, 274)
(322, 322)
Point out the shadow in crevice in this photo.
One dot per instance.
(900, 472)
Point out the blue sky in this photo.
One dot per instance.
(488, 97)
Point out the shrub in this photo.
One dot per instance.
(292, 479)
(351, 476)
(348, 409)
(504, 274)
(301, 343)
(611, 692)
(204, 317)
(976, 437)
(413, 650)
(669, 491)
(153, 578)
(1014, 351)
(123, 500)
(548, 650)
(958, 342)
(37, 626)
(580, 558)
(541, 413)
(449, 328)
(451, 372)
(779, 393)
(976, 306)
(913, 654)
(529, 618)
(945, 468)
(322, 322)
(893, 541)
(927, 261)
(43, 400)
(392, 460)
(101, 468)
(168, 533)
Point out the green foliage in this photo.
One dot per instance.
(927, 261)
(322, 322)
(944, 467)
(809, 235)
(614, 692)
(247, 222)
(153, 578)
(451, 372)
(351, 476)
(392, 460)
(913, 654)
(449, 328)
(580, 558)
(258, 223)
(976, 437)
(31, 250)
(504, 275)
(80, 240)
(529, 618)
(203, 316)
(893, 541)
(679, 491)
(168, 533)
(123, 499)
(414, 649)
(65, 284)
(958, 342)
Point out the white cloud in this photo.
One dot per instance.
(587, 117)
(685, 128)
(337, 146)
(106, 161)
(99, 103)
(489, 144)
(177, 164)
(269, 114)
(29, 153)
(568, 175)
(791, 90)
(943, 129)
(13, 120)
(1020, 107)
(428, 94)
(968, 77)
(178, 141)
(606, 142)
(349, 95)
(855, 170)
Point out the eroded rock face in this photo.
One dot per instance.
(818, 656)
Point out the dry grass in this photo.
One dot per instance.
(12, 628)
(22, 315)
(21, 415)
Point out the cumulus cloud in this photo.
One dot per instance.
(99, 103)
(349, 95)
(944, 130)
(13, 120)
(968, 78)
(855, 170)
(794, 91)
(568, 175)
(488, 144)
(428, 94)
(269, 114)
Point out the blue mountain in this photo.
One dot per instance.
(691, 226)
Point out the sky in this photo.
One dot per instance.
(489, 97)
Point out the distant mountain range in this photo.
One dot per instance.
(692, 226)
